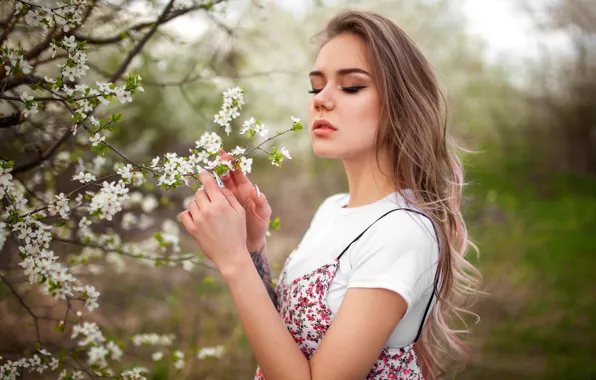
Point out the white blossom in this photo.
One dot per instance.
(59, 205)
(96, 139)
(152, 339)
(84, 177)
(246, 165)
(125, 171)
(237, 151)
(286, 153)
(216, 352)
(110, 199)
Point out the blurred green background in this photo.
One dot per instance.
(524, 103)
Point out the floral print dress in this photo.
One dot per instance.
(304, 311)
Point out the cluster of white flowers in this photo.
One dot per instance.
(23, 217)
(253, 127)
(6, 184)
(153, 339)
(71, 375)
(89, 332)
(137, 373)
(215, 352)
(14, 62)
(59, 206)
(37, 363)
(42, 267)
(178, 359)
(98, 350)
(67, 15)
(83, 177)
(110, 199)
(211, 142)
(233, 100)
(30, 105)
(75, 66)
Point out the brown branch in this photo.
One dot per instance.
(10, 120)
(9, 26)
(123, 253)
(123, 35)
(142, 42)
(13, 81)
(24, 166)
(50, 99)
(75, 191)
(39, 48)
(35, 318)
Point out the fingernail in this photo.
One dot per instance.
(219, 182)
(258, 191)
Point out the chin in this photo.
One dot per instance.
(325, 150)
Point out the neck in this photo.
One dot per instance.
(367, 181)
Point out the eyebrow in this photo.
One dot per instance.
(340, 72)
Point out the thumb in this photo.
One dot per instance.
(231, 198)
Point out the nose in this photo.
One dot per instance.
(324, 101)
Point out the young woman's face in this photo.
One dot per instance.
(345, 96)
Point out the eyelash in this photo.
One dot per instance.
(349, 90)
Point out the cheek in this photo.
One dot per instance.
(363, 116)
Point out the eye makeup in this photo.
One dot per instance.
(346, 89)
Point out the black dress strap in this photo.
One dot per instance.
(434, 282)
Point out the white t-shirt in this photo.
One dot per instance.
(399, 253)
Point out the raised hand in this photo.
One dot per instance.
(254, 202)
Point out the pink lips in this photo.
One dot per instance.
(322, 127)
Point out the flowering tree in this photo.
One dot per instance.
(55, 124)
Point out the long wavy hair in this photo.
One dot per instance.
(424, 160)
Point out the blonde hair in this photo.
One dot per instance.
(424, 160)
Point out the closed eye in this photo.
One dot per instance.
(352, 89)
(349, 90)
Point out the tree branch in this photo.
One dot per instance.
(123, 253)
(35, 318)
(24, 166)
(142, 42)
(10, 120)
(123, 35)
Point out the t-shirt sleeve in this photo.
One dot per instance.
(398, 253)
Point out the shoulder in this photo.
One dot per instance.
(399, 232)
(331, 202)
(334, 199)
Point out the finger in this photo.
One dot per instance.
(194, 210)
(187, 221)
(228, 180)
(229, 183)
(231, 198)
(239, 177)
(202, 199)
(211, 187)
(258, 197)
(226, 156)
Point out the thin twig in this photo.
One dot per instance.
(35, 318)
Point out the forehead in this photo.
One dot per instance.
(344, 50)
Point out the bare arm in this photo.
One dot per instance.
(259, 258)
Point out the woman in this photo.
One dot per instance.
(367, 291)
